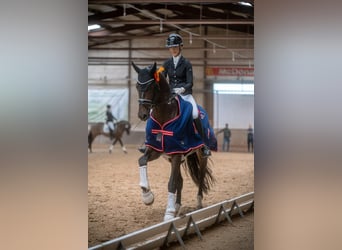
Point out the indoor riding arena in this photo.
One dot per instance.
(217, 39)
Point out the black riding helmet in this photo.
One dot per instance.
(174, 40)
(108, 106)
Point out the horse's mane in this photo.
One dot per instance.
(162, 80)
(162, 77)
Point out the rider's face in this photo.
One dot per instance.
(174, 51)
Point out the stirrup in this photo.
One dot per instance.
(142, 149)
(205, 151)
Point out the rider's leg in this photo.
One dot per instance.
(198, 124)
(111, 130)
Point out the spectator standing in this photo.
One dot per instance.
(250, 139)
(226, 137)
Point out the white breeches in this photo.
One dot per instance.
(111, 125)
(190, 98)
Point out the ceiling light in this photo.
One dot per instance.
(246, 4)
(93, 27)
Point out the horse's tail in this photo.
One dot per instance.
(200, 171)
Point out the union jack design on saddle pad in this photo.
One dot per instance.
(179, 134)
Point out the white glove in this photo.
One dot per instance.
(179, 90)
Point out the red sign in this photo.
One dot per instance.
(226, 71)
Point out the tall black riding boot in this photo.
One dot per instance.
(205, 150)
(111, 134)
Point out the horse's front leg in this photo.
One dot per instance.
(122, 145)
(173, 186)
(112, 146)
(147, 195)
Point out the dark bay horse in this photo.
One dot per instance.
(157, 102)
(97, 129)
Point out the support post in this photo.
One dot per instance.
(237, 206)
(179, 238)
(225, 213)
(191, 221)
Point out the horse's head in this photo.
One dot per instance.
(148, 90)
(128, 127)
(123, 126)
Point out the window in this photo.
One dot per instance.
(234, 88)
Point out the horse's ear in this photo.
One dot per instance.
(137, 69)
(154, 68)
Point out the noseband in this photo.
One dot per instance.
(143, 87)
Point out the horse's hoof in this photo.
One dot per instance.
(169, 216)
(178, 209)
(148, 198)
(199, 202)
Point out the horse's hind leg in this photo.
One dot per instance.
(179, 194)
(199, 199)
(90, 141)
(204, 180)
(173, 185)
(202, 163)
(200, 192)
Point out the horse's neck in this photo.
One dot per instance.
(165, 112)
(165, 91)
(166, 107)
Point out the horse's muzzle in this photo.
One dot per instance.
(143, 116)
(144, 111)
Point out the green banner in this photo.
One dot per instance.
(99, 98)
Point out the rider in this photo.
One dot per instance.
(110, 119)
(179, 71)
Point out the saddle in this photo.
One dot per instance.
(105, 128)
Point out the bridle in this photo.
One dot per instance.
(143, 87)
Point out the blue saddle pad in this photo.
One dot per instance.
(179, 135)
